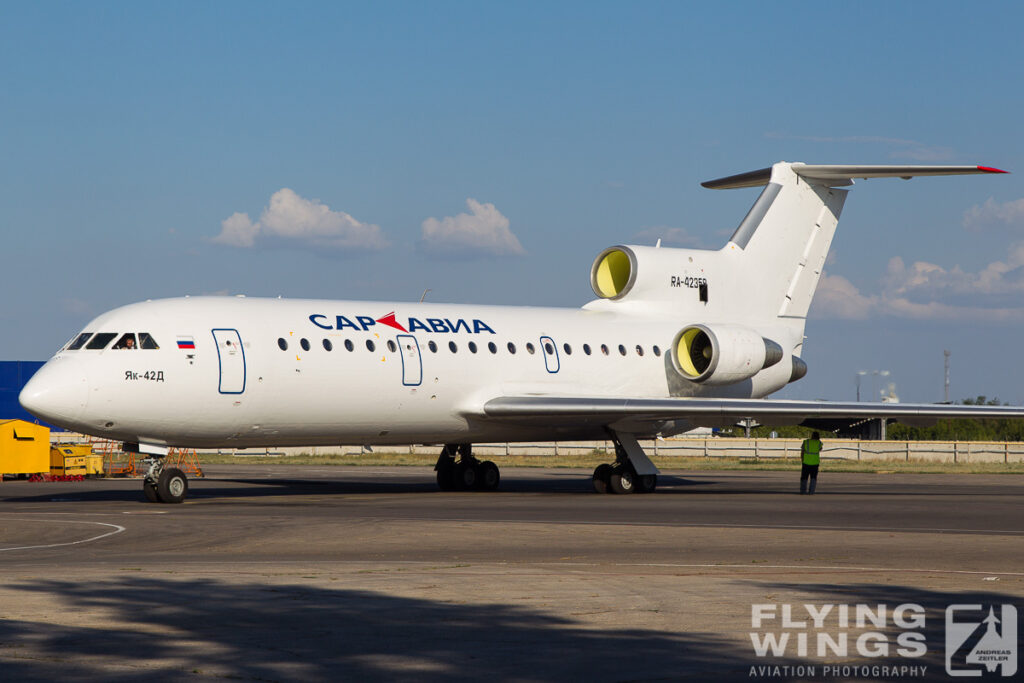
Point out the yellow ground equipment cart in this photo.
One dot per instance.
(74, 462)
(24, 449)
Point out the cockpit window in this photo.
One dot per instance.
(127, 341)
(146, 341)
(101, 340)
(79, 341)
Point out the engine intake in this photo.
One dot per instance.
(614, 272)
(723, 354)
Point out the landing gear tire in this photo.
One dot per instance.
(465, 476)
(149, 488)
(623, 481)
(646, 483)
(602, 478)
(172, 485)
(445, 478)
(488, 476)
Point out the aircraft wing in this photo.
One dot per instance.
(722, 410)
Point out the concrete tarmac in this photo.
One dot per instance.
(365, 573)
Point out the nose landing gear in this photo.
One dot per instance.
(163, 484)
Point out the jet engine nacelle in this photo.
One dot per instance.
(642, 272)
(722, 354)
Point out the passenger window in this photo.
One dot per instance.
(548, 348)
(452, 347)
(639, 350)
(146, 341)
(511, 348)
(567, 349)
(349, 346)
(101, 340)
(604, 349)
(472, 347)
(79, 341)
(282, 343)
(622, 349)
(328, 346)
(391, 346)
(586, 349)
(370, 346)
(127, 341)
(530, 349)
(491, 347)
(432, 346)
(304, 343)
(657, 351)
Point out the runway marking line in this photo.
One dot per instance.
(117, 528)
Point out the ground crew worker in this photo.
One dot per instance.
(810, 458)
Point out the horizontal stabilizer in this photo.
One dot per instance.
(842, 174)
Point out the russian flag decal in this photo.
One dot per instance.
(186, 343)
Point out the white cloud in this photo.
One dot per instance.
(837, 297)
(482, 232)
(912, 292)
(1009, 213)
(292, 220)
(237, 231)
(998, 277)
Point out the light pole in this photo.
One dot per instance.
(856, 378)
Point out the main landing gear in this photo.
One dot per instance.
(163, 484)
(466, 473)
(632, 471)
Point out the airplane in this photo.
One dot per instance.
(677, 338)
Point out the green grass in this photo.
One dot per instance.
(594, 459)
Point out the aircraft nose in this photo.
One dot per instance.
(56, 394)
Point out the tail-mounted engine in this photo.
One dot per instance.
(722, 354)
(651, 274)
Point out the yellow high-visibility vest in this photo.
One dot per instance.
(810, 452)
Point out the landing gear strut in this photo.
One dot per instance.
(163, 484)
(624, 475)
(466, 473)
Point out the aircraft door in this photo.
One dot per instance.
(412, 363)
(231, 359)
(550, 351)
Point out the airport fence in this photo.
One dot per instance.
(839, 449)
(711, 447)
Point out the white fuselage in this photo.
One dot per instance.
(238, 388)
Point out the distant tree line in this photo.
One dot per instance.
(943, 430)
(963, 430)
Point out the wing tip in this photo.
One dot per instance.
(989, 169)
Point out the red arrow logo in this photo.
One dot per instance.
(390, 321)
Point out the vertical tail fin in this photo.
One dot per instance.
(781, 246)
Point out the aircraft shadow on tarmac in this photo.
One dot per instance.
(290, 631)
(245, 487)
(566, 483)
(258, 631)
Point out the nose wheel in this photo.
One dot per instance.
(163, 484)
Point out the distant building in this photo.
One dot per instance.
(14, 374)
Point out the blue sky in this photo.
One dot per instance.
(489, 152)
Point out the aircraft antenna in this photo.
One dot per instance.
(425, 294)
